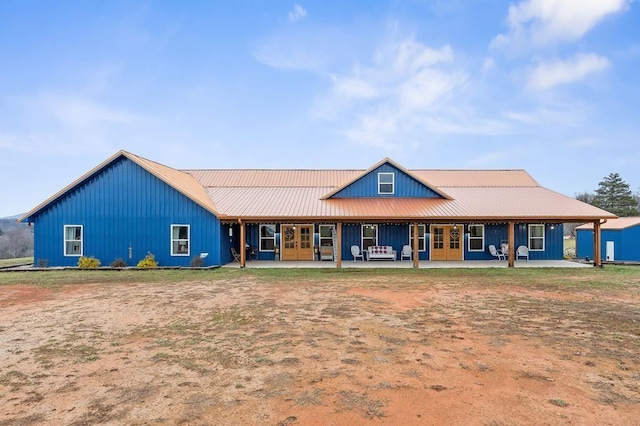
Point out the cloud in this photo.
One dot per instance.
(488, 64)
(298, 13)
(406, 94)
(544, 22)
(79, 112)
(550, 74)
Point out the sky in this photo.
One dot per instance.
(550, 86)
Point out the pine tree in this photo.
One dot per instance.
(613, 195)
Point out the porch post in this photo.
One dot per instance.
(243, 238)
(339, 245)
(416, 246)
(511, 242)
(597, 255)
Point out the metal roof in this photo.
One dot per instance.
(337, 178)
(181, 181)
(299, 195)
(468, 203)
(615, 224)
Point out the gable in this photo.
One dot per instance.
(175, 179)
(386, 181)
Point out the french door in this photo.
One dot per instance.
(297, 242)
(446, 242)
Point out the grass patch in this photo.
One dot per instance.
(559, 402)
(15, 262)
(610, 277)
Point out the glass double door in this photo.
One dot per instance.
(297, 242)
(446, 242)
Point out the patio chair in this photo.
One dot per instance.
(406, 252)
(236, 255)
(356, 253)
(497, 253)
(522, 251)
(326, 253)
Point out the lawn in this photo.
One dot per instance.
(231, 346)
(15, 262)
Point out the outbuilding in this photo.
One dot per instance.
(620, 240)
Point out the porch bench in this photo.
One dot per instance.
(381, 252)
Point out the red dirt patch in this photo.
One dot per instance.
(244, 352)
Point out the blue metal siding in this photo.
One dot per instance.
(404, 186)
(584, 243)
(629, 248)
(497, 234)
(626, 243)
(124, 206)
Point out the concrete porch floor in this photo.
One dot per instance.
(408, 264)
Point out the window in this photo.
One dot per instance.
(536, 237)
(326, 235)
(73, 240)
(369, 236)
(180, 240)
(386, 183)
(476, 237)
(421, 232)
(438, 238)
(267, 237)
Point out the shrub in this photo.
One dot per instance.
(197, 262)
(88, 262)
(119, 263)
(149, 261)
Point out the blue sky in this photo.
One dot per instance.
(551, 86)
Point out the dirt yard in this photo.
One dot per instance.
(360, 348)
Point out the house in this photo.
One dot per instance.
(129, 206)
(620, 240)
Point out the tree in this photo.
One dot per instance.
(613, 195)
(585, 197)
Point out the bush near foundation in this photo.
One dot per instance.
(88, 262)
(149, 261)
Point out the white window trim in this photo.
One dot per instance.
(260, 237)
(375, 226)
(543, 236)
(393, 183)
(423, 238)
(188, 253)
(64, 242)
(320, 237)
(475, 238)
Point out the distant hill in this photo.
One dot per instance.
(14, 217)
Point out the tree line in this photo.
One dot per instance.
(613, 195)
(16, 239)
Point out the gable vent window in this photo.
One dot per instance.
(386, 183)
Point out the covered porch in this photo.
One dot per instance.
(263, 244)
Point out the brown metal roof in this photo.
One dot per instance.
(497, 203)
(486, 178)
(336, 178)
(298, 195)
(181, 181)
(615, 224)
(273, 178)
